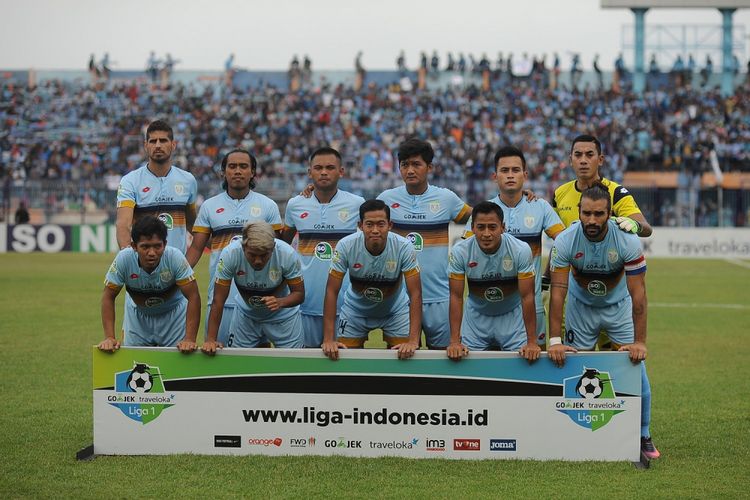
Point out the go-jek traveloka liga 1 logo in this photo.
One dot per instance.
(590, 399)
(140, 393)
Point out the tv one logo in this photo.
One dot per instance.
(467, 445)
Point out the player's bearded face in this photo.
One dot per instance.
(159, 146)
(594, 215)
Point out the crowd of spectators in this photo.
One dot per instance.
(67, 130)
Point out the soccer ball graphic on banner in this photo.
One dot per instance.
(140, 379)
(589, 385)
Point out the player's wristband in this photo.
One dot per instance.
(555, 341)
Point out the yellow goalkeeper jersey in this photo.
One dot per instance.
(568, 197)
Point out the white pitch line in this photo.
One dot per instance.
(738, 262)
(703, 305)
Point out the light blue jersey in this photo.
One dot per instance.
(169, 198)
(526, 221)
(377, 281)
(152, 293)
(283, 268)
(598, 268)
(223, 217)
(424, 220)
(319, 227)
(492, 278)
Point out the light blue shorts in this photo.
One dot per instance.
(583, 323)
(435, 324)
(245, 331)
(359, 327)
(480, 332)
(155, 330)
(312, 329)
(226, 320)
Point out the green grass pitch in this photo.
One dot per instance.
(699, 318)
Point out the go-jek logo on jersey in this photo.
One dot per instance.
(140, 393)
(416, 240)
(324, 251)
(167, 220)
(590, 399)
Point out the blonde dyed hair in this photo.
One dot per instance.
(259, 236)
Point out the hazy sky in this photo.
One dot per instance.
(60, 34)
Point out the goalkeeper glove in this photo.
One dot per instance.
(628, 225)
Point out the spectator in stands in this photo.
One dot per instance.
(22, 214)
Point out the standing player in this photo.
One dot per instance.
(268, 276)
(586, 158)
(378, 262)
(158, 188)
(523, 219)
(422, 213)
(500, 309)
(222, 217)
(607, 292)
(321, 221)
(165, 306)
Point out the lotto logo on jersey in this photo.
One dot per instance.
(395, 205)
(323, 251)
(304, 215)
(146, 189)
(416, 240)
(167, 220)
(493, 294)
(219, 210)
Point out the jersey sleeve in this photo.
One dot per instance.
(202, 223)
(623, 203)
(552, 223)
(340, 260)
(559, 258)
(126, 193)
(408, 260)
(635, 261)
(460, 211)
(273, 216)
(457, 263)
(289, 215)
(192, 198)
(182, 271)
(525, 263)
(226, 267)
(115, 278)
(468, 233)
(292, 268)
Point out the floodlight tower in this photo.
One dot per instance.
(640, 7)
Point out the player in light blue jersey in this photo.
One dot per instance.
(268, 276)
(158, 188)
(320, 221)
(607, 292)
(165, 303)
(379, 262)
(422, 213)
(524, 219)
(221, 219)
(499, 269)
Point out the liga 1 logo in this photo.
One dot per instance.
(140, 393)
(590, 399)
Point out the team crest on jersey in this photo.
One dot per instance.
(255, 211)
(612, 256)
(529, 221)
(507, 263)
(179, 189)
(220, 265)
(343, 215)
(165, 275)
(113, 268)
(493, 294)
(373, 294)
(390, 266)
(434, 206)
(323, 250)
(274, 274)
(167, 220)
(597, 288)
(416, 240)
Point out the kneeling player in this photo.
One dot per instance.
(378, 262)
(500, 272)
(598, 256)
(268, 276)
(152, 273)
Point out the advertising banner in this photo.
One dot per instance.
(368, 403)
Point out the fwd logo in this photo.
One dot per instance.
(466, 445)
(502, 445)
(302, 443)
(435, 445)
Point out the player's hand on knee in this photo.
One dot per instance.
(457, 351)
(187, 346)
(331, 349)
(406, 350)
(109, 345)
(637, 351)
(210, 347)
(557, 353)
(530, 352)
